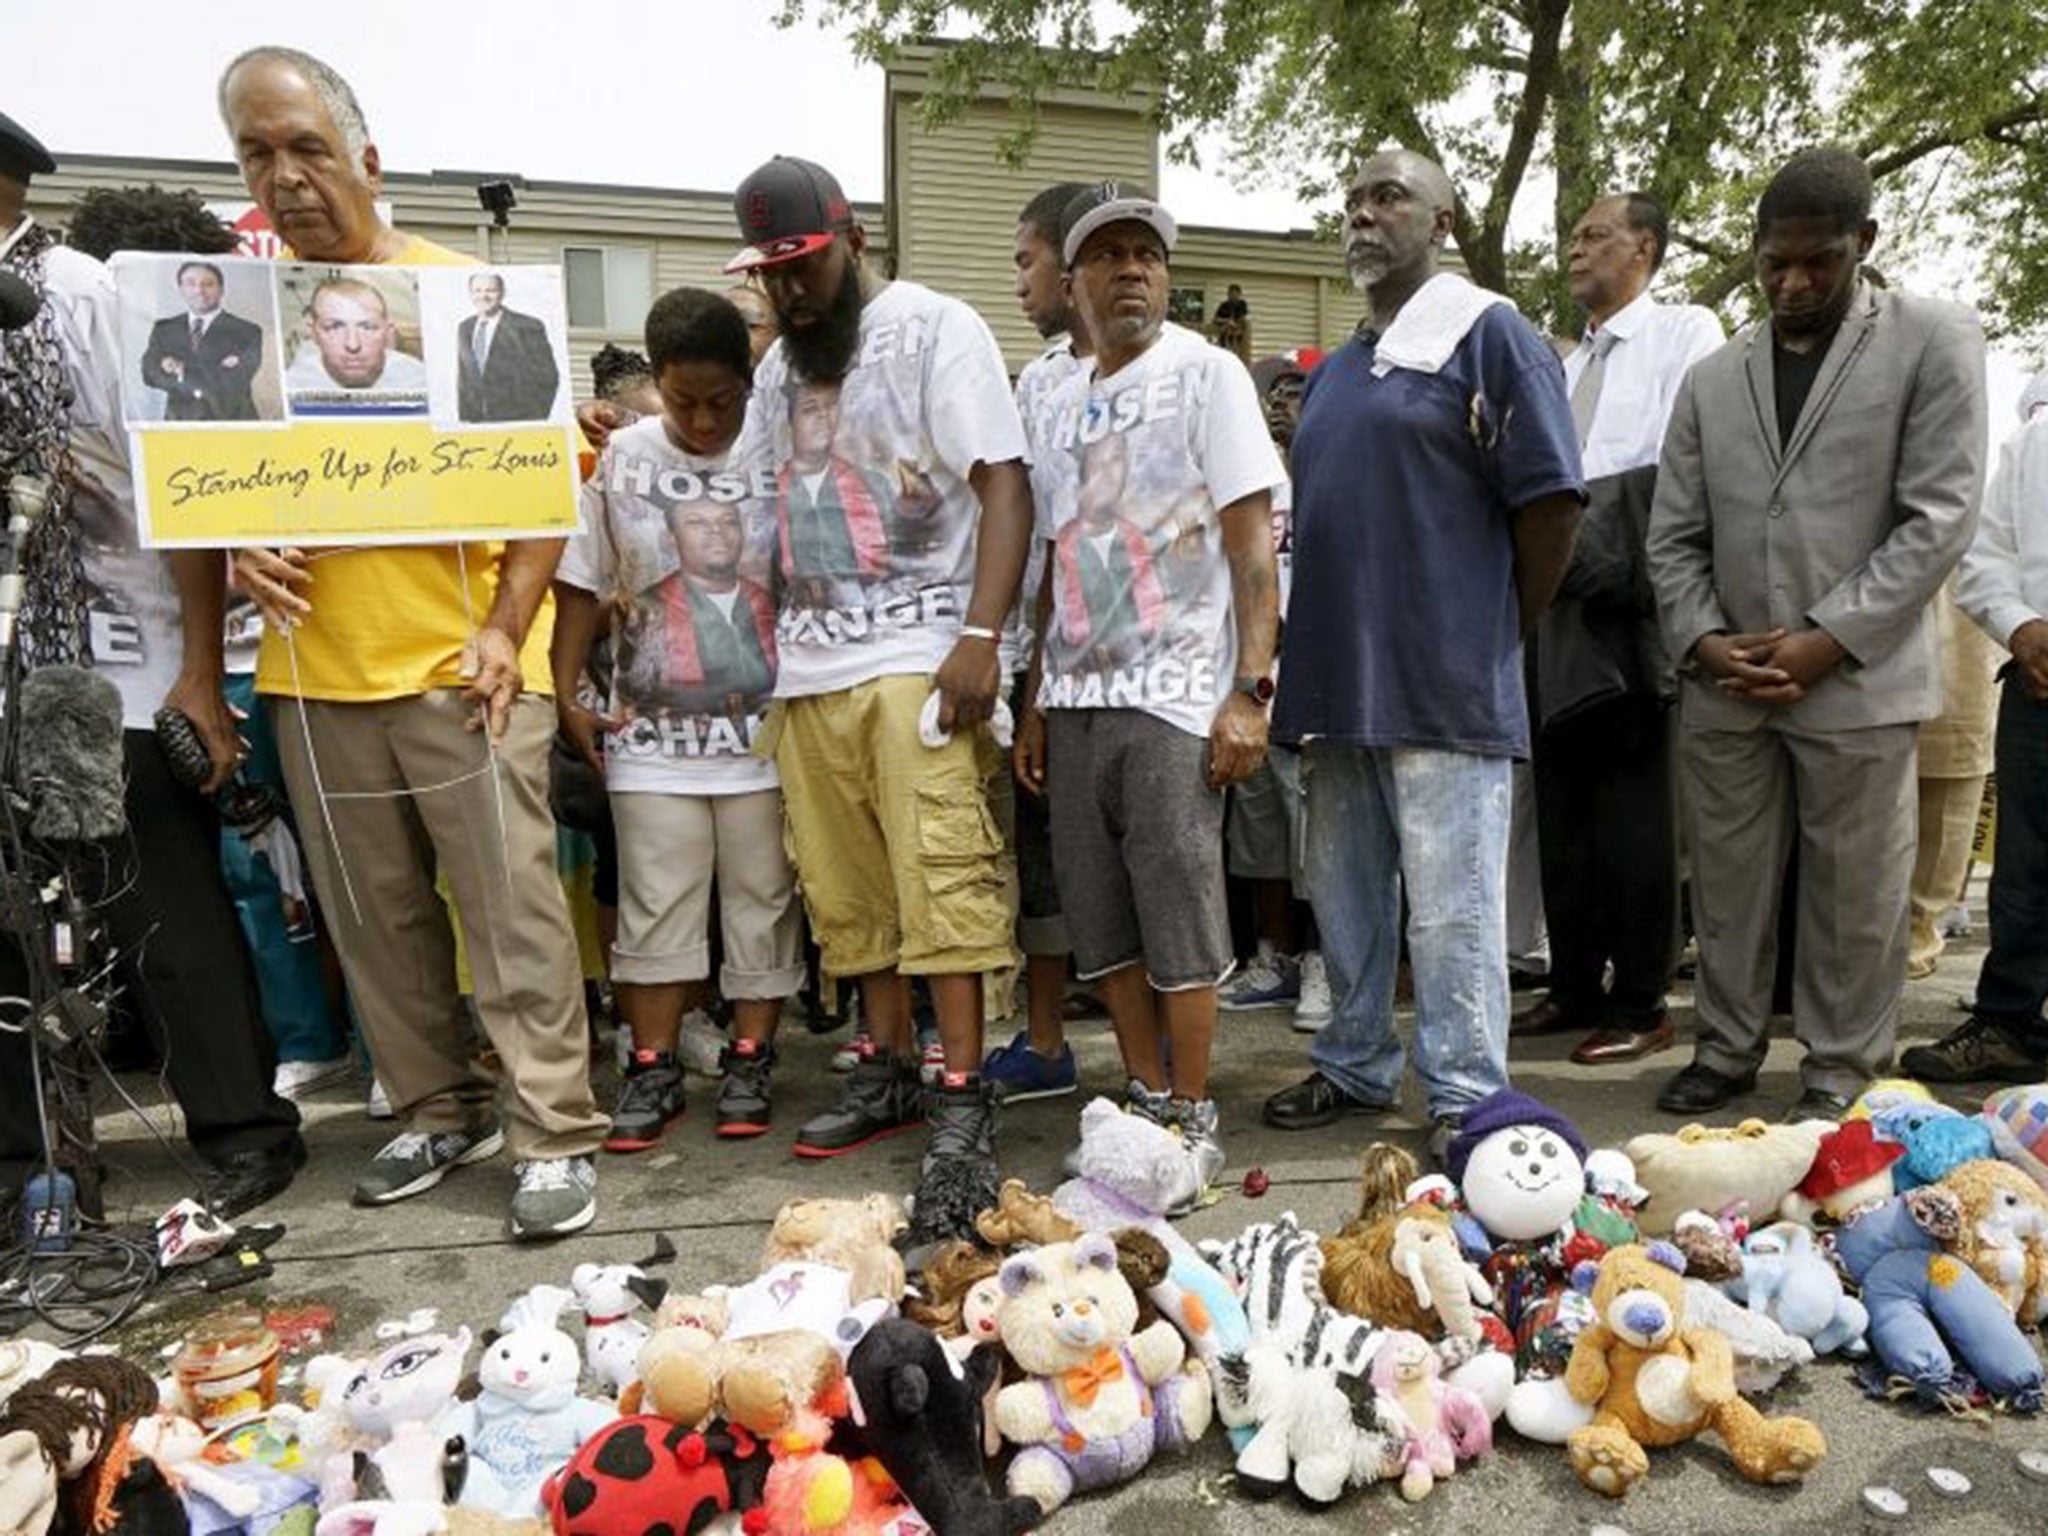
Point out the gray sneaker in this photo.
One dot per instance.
(555, 1195)
(1195, 1120)
(416, 1161)
(961, 1116)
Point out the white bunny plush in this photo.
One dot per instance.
(527, 1420)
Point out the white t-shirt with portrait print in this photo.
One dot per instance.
(1138, 468)
(693, 661)
(1037, 386)
(875, 533)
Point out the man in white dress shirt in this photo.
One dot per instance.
(2004, 588)
(1606, 818)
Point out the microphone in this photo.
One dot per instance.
(71, 764)
(27, 496)
(19, 303)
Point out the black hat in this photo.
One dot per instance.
(786, 209)
(1108, 202)
(21, 153)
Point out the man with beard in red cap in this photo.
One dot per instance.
(889, 672)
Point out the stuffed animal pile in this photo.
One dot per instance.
(1077, 1338)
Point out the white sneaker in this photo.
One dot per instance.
(931, 1063)
(293, 1078)
(700, 1043)
(1269, 980)
(378, 1105)
(1955, 923)
(848, 1055)
(1316, 1005)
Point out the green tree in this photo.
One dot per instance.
(1695, 100)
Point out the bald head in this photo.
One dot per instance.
(1397, 216)
(1423, 175)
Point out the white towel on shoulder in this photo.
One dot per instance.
(1432, 323)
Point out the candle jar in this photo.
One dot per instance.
(227, 1371)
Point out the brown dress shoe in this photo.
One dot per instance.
(1626, 1042)
(1549, 1017)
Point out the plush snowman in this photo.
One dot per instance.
(1522, 1176)
(1520, 1166)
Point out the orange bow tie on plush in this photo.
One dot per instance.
(1084, 1381)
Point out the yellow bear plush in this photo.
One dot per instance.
(1654, 1382)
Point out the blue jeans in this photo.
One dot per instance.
(1437, 822)
(2014, 982)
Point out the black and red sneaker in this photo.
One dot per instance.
(878, 1098)
(650, 1095)
(743, 1102)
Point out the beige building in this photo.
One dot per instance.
(948, 219)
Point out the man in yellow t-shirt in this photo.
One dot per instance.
(383, 669)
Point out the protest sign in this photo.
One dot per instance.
(288, 402)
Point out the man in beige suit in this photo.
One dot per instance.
(1819, 480)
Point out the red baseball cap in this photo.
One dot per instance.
(786, 209)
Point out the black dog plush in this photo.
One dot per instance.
(920, 1410)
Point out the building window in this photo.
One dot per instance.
(610, 287)
(1183, 306)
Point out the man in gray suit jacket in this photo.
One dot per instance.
(1819, 479)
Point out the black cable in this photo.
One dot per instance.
(60, 1287)
(98, 1279)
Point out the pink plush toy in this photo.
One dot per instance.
(1444, 1424)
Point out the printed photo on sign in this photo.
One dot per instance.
(497, 346)
(684, 552)
(199, 341)
(351, 340)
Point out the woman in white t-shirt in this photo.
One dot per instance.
(676, 555)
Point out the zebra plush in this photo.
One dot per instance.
(1276, 1269)
(1302, 1379)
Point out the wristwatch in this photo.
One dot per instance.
(1257, 685)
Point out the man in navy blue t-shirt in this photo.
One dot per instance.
(1436, 485)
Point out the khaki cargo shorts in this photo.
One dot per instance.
(898, 855)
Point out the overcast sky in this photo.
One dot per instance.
(664, 93)
(667, 93)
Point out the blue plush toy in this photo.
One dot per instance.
(1936, 1145)
(1928, 1310)
(1785, 1278)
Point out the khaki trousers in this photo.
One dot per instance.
(427, 808)
(1948, 822)
(670, 846)
(1848, 797)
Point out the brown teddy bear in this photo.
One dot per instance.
(855, 1235)
(759, 1353)
(1654, 1382)
(2003, 1234)
(1020, 1219)
(677, 1367)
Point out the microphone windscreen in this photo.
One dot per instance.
(18, 302)
(71, 764)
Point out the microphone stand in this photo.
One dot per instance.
(40, 904)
